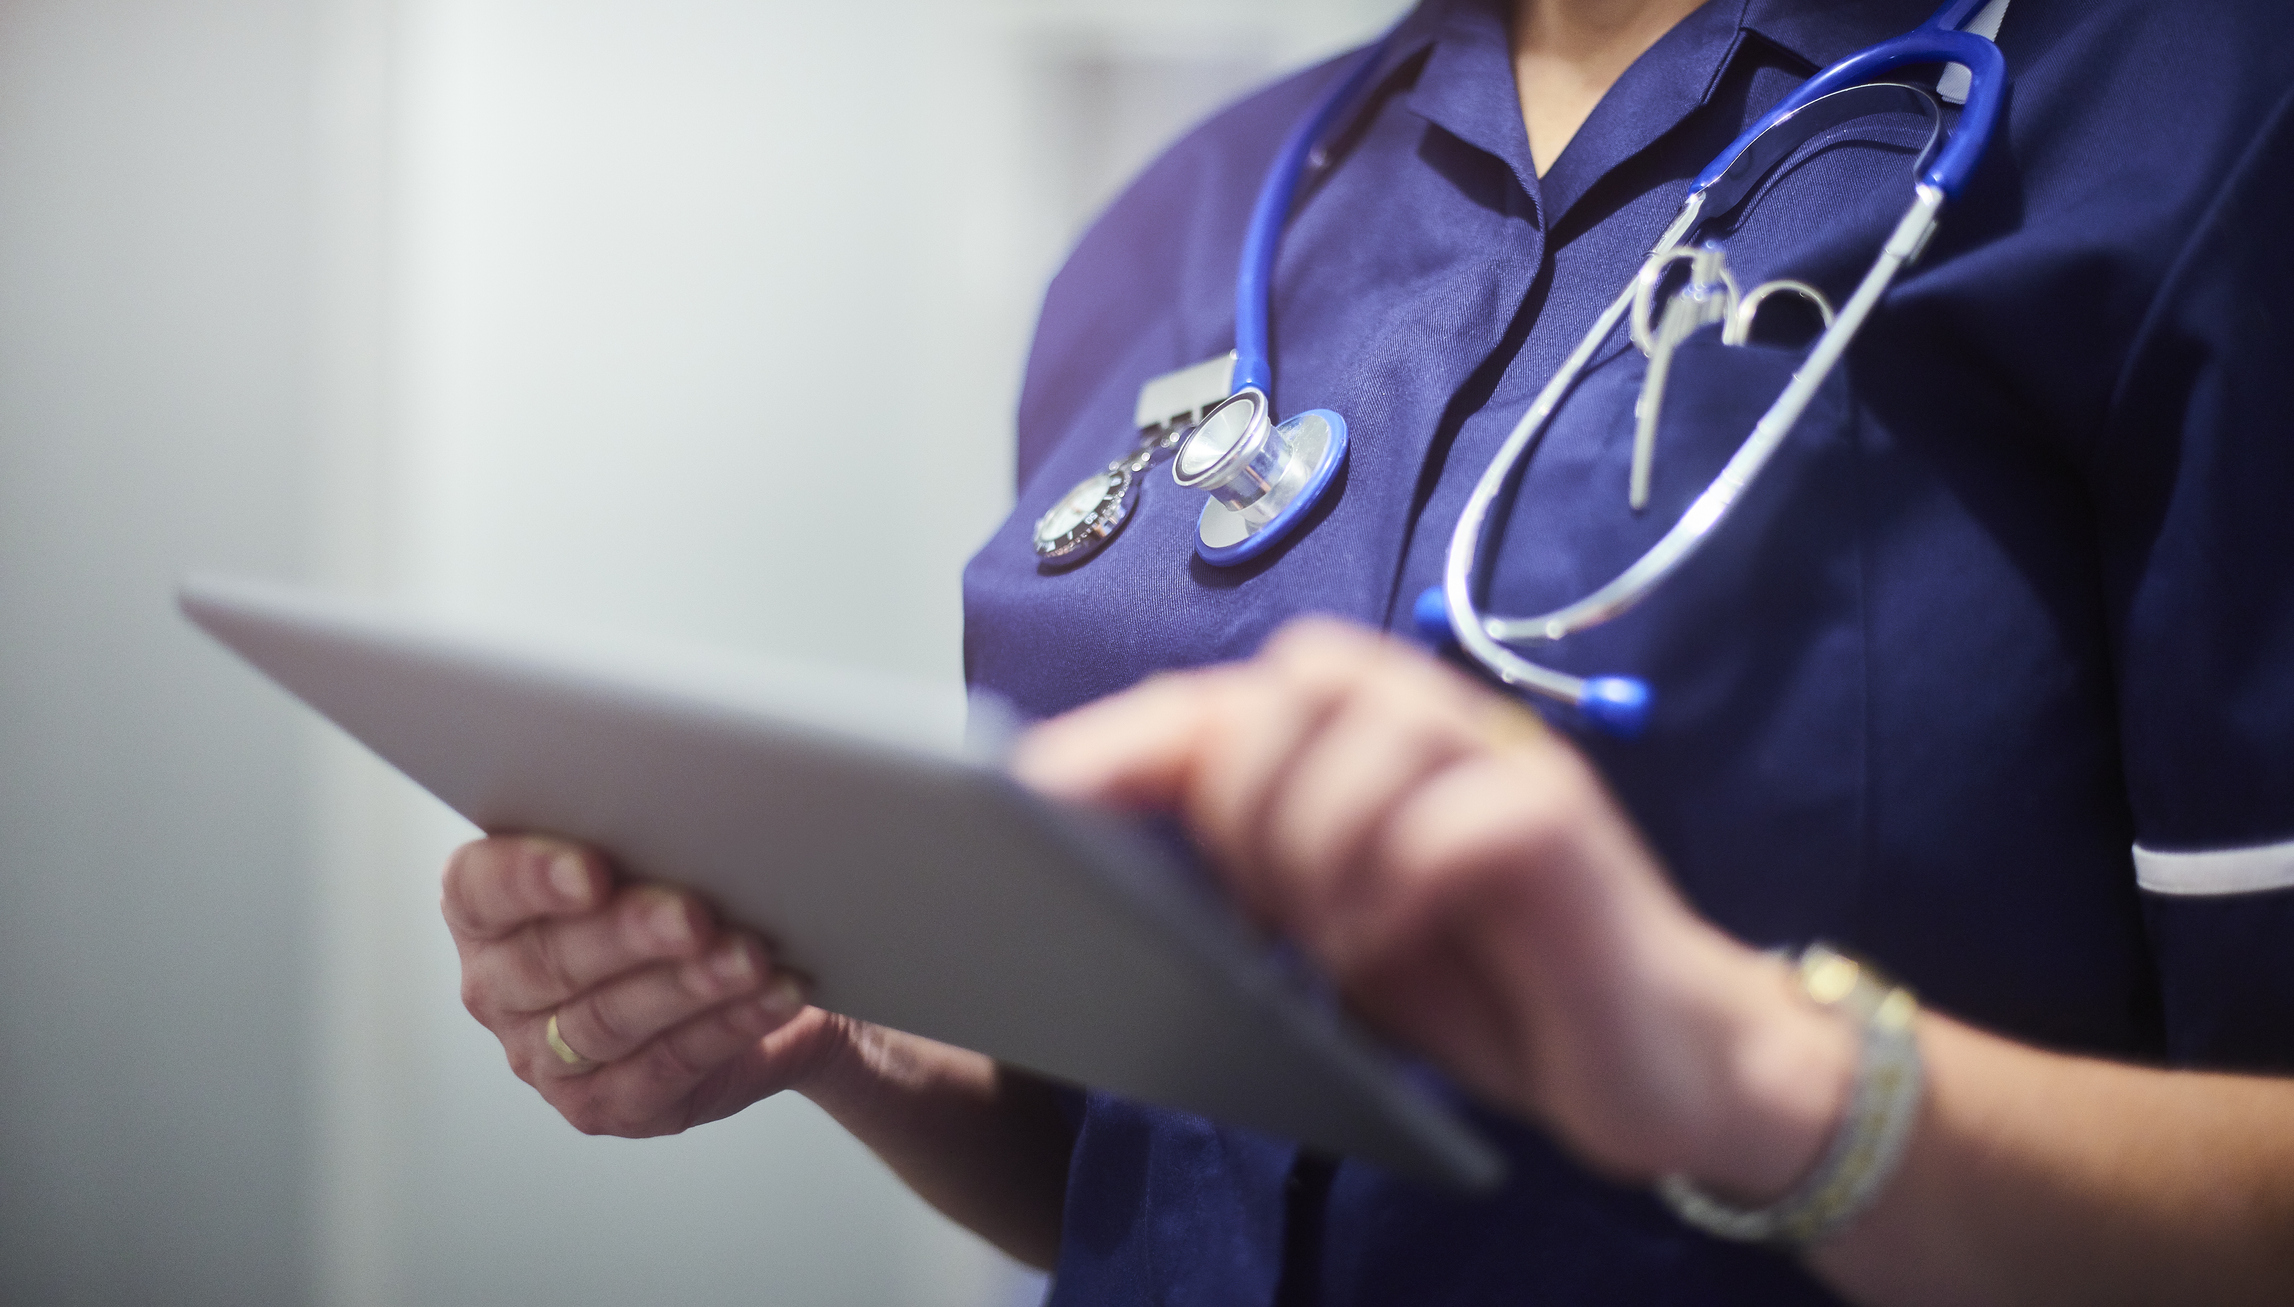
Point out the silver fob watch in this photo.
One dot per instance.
(1084, 519)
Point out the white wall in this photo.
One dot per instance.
(694, 317)
(155, 895)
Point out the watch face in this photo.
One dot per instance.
(1076, 506)
(1085, 516)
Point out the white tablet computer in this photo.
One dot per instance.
(844, 818)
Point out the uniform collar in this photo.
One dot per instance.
(1466, 88)
(1821, 32)
(1818, 32)
(1455, 58)
(1466, 85)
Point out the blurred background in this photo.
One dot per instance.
(580, 308)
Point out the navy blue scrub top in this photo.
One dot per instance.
(2014, 598)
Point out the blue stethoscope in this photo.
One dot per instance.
(1264, 477)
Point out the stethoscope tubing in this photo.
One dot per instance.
(1712, 506)
(1466, 538)
(1936, 41)
(1620, 705)
(1251, 378)
(1262, 240)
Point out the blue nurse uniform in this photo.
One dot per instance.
(2017, 597)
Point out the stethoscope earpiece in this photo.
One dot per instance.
(1616, 706)
(1431, 615)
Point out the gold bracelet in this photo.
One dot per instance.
(1872, 1135)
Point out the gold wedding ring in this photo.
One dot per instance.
(559, 1046)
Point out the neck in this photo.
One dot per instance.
(1568, 53)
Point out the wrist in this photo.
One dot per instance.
(1870, 1138)
(869, 1078)
(1787, 1069)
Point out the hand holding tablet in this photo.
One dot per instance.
(916, 885)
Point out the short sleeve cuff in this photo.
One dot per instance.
(2250, 870)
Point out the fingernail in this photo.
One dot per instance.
(670, 923)
(569, 877)
(1040, 760)
(732, 964)
(784, 997)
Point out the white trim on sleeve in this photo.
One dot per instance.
(2249, 870)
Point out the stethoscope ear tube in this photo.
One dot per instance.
(1937, 41)
(1616, 706)
(1247, 518)
(1620, 705)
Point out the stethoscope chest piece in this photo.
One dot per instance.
(1263, 477)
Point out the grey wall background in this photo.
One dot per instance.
(155, 942)
(522, 305)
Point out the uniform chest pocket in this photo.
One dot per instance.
(1569, 527)
(1750, 779)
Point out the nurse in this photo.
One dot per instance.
(1986, 682)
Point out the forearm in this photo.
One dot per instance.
(2031, 1177)
(986, 1146)
(1477, 893)
(2038, 1178)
